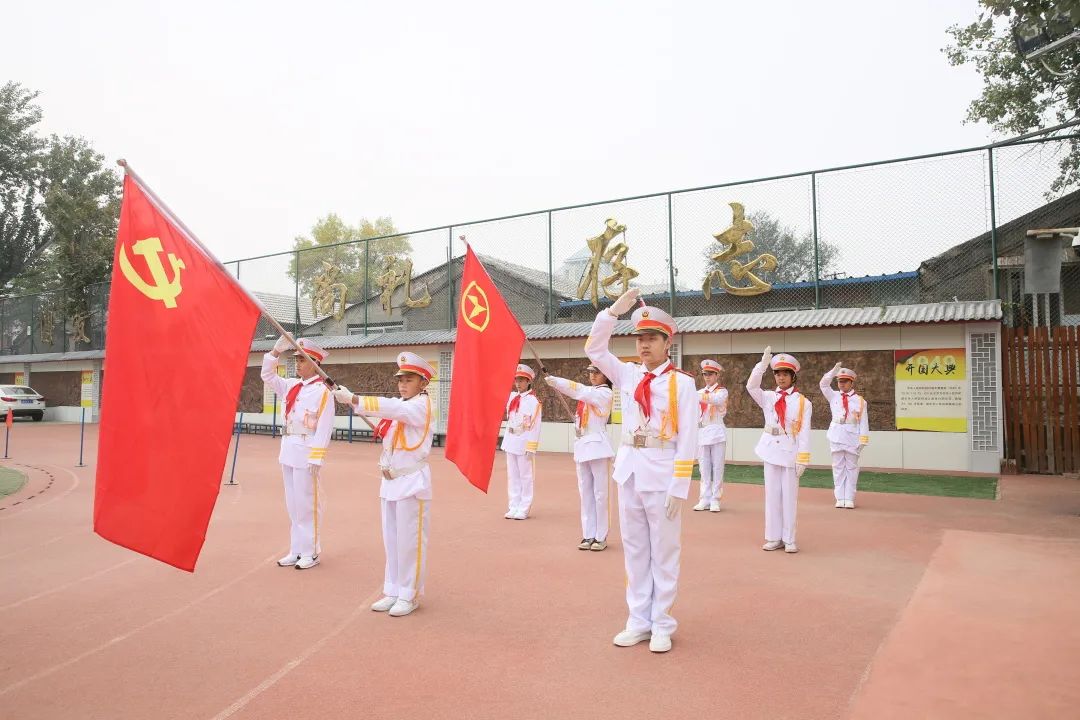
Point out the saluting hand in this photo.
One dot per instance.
(625, 302)
(766, 357)
(836, 367)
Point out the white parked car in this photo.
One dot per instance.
(22, 401)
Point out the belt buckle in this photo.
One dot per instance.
(640, 440)
(579, 432)
(774, 431)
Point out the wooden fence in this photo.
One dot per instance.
(1042, 398)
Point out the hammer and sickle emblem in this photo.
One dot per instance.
(474, 307)
(162, 288)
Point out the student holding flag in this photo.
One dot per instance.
(406, 433)
(592, 452)
(305, 436)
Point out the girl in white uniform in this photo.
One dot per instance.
(712, 437)
(592, 452)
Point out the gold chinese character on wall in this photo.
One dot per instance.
(602, 251)
(47, 323)
(329, 293)
(78, 328)
(745, 273)
(397, 273)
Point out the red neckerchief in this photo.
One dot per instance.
(382, 428)
(516, 402)
(294, 391)
(781, 405)
(579, 412)
(844, 397)
(643, 392)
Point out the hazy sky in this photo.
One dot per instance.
(253, 119)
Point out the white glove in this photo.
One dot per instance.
(313, 470)
(671, 506)
(766, 357)
(799, 470)
(343, 395)
(282, 345)
(626, 301)
(550, 380)
(836, 368)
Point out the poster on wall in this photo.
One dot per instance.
(269, 396)
(931, 390)
(86, 398)
(20, 378)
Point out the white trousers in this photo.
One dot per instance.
(781, 503)
(845, 473)
(306, 504)
(405, 525)
(592, 482)
(519, 481)
(711, 462)
(651, 545)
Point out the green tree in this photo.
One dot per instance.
(82, 206)
(794, 253)
(350, 258)
(23, 232)
(1019, 95)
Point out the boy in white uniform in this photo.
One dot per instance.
(406, 433)
(712, 437)
(308, 424)
(592, 452)
(653, 465)
(849, 432)
(784, 446)
(522, 437)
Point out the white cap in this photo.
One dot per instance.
(316, 352)
(783, 361)
(409, 362)
(653, 319)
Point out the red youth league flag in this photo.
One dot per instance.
(178, 337)
(486, 351)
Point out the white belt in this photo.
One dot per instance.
(515, 431)
(845, 422)
(646, 441)
(703, 424)
(287, 433)
(774, 430)
(394, 473)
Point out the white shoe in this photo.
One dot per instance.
(791, 548)
(772, 545)
(629, 638)
(288, 560)
(849, 504)
(306, 562)
(702, 505)
(520, 515)
(714, 506)
(509, 515)
(660, 643)
(839, 504)
(383, 605)
(403, 607)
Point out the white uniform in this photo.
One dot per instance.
(781, 448)
(592, 453)
(519, 443)
(712, 442)
(848, 432)
(306, 432)
(405, 489)
(647, 475)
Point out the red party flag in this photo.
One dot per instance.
(486, 351)
(177, 341)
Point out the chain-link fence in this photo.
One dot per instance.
(933, 228)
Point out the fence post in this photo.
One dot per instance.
(671, 256)
(817, 260)
(993, 226)
(551, 275)
(367, 284)
(450, 278)
(296, 297)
